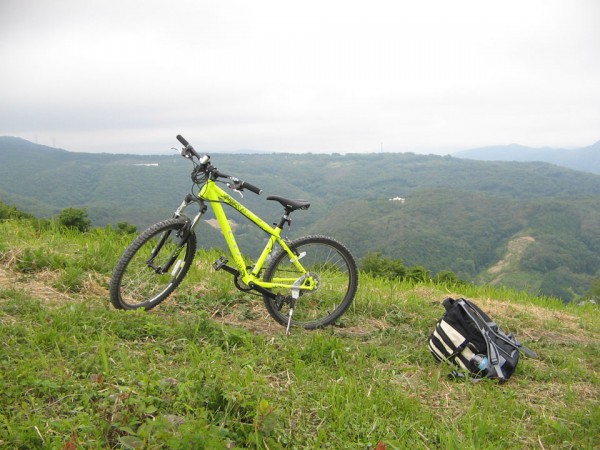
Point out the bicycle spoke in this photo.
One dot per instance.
(331, 271)
(150, 269)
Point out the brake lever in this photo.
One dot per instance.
(236, 187)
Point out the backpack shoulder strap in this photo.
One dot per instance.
(528, 352)
(482, 326)
(493, 328)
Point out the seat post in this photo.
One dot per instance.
(285, 219)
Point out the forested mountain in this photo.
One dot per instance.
(586, 159)
(534, 226)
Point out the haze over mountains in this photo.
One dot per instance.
(586, 159)
(528, 225)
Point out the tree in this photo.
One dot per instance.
(374, 263)
(560, 283)
(126, 228)
(594, 291)
(447, 277)
(11, 212)
(76, 218)
(418, 273)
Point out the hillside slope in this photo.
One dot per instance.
(459, 215)
(208, 368)
(470, 234)
(60, 178)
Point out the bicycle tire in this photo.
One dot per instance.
(134, 283)
(333, 266)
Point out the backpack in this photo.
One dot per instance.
(468, 338)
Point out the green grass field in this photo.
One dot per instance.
(210, 369)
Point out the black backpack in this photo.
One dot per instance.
(468, 338)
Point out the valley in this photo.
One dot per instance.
(458, 215)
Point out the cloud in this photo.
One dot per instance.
(306, 76)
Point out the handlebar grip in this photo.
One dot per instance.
(251, 187)
(181, 139)
(187, 146)
(238, 184)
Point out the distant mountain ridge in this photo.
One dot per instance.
(461, 215)
(586, 159)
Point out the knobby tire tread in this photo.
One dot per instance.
(134, 247)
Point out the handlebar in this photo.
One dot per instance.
(181, 139)
(237, 184)
(207, 168)
(241, 184)
(188, 151)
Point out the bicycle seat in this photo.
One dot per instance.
(289, 204)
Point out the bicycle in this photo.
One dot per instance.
(308, 282)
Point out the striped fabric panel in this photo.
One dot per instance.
(444, 342)
(434, 347)
(457, 338)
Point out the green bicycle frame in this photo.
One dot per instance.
(216, 196)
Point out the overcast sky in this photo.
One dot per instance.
(429, 76)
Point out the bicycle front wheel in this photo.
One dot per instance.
(153, 265)
(333, 270)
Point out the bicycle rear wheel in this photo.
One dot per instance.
(332, 267)
(153, 265)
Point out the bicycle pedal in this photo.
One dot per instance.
(221, 264)
(218, 264)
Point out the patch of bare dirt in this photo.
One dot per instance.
(516, 248)
(249, 314)
(529, 322)
(213, 223)
(40, 286)
(4, 280)
(252, 315)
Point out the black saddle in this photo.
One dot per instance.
(289, 204)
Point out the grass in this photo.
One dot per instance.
(209, 369)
